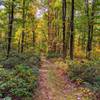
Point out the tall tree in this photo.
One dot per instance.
(10, 26)
(64, 27)
(50, 33)
(92, 28)
(23, 26)
(90, 18)
(72, 32)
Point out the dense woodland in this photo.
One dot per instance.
(65, 33)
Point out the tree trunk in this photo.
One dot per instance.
(23, 27)
(92, 23)
(72, 32)
(49, 27)
(33, 38)
(19, 45)
(64, 27)
(90, 28)
(10, 27)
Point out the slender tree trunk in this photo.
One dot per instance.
(92, 23)
(64, 27)
(83, 41)
(72, 33)
(33, 38)
(18, 45)
(49, 27)
(10, 27)
(68, 36)
(33, 32)
(90, 28)
(23, 27)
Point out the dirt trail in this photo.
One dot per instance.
(53, 85)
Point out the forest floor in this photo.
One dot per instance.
(55, 85)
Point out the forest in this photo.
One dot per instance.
(49, 49)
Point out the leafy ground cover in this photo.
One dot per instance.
(87, 74)
(18, 77)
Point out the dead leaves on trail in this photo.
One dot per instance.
(54, 84)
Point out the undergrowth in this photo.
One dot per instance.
(86, 73)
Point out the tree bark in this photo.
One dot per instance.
(49, 27)
(72, 33)
(23, 28)
(64, 27)
(10, 27)
(90, 27)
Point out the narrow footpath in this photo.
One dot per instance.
(54, 85)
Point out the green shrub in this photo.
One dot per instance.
(88, 72)
(7, 98)
(33, 61)
(52, 54)
(20, 81)
(16, 59)
(11, 62)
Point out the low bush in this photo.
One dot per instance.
(34, 60)
(10, 62)
(86, 73)
(16, 59)
(20, 81)
(53, 54)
